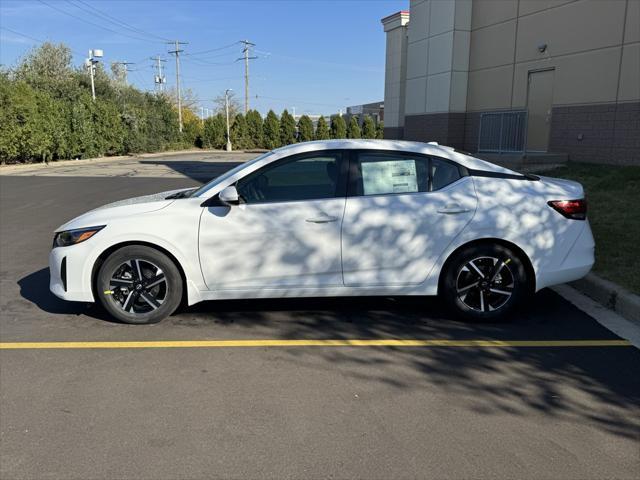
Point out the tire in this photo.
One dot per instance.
(130, 298)
(503, 286)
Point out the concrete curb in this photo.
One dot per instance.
(610, 295)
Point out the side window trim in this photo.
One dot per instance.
(354, 175)
(341, 189)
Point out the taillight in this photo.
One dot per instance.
(574, 209)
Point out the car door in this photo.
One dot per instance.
(402, 211)
(285, 233)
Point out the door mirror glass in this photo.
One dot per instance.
(229, 196)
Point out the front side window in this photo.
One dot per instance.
(310, 177)
(398, 173)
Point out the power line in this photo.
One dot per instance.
(202, 52)
(34, 38)
(114, 20)
(93, 23)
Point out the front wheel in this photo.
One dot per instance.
(484, 282)
(138, 284)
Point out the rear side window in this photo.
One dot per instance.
(397, 173)
(443, 173)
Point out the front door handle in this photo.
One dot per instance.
(453, 208)
(322, 219)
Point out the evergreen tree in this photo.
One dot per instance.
(255, 129)
(271, 131)
(338, 127)
(368, 127)
(354, 128)
(215, 131)
(305, 129)
(322, 129)
(380, 130)
(287, 128)
(239, 132)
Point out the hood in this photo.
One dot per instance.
(122, 208)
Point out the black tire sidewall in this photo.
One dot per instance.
(448, 290)
(168, 267)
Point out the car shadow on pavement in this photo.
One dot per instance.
(35, 289)
(201, 171)
(598, 386)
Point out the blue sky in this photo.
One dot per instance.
(317, 56)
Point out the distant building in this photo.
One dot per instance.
(517, 75)
(375, 110)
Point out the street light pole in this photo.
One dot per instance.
(226, 108)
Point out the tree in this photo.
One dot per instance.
(255, 130)
(338, 127)
(234, 105)
(354, 128)
(380, 130)
(287, 128)
(271, 131)
(305, 129)
(46, 66)
(368, 127)
(215, 130)
(322, 130)
(239, 132)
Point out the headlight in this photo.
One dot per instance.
(72, 237)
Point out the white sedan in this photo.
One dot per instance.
(332, 218)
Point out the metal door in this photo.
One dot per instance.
(539, 101)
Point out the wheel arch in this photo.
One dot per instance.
(105, 254)
(526, 261)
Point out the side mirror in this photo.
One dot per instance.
(229, 196)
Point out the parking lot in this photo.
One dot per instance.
(259, 390)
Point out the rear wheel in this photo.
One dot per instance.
(484, 282)
(138, 284)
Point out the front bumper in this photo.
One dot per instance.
(66, 274)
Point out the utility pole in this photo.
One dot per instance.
(90, 63)
(177, 52)
(159, 79)
(246, 57)
(125, 71)
(226, 108)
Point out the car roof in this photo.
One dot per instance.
(433, 149)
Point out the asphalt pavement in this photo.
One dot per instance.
(554, 410)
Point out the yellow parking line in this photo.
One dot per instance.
(316, 343)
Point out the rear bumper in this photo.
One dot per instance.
(68, 285)
(576, 264)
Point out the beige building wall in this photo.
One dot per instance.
(592, 45)
(395, 27)
(467, 57)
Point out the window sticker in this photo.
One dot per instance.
(392, 176)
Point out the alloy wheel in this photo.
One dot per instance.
(485, 284)
(138, 286)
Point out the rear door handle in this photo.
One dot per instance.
(453, 208)
(322, 219)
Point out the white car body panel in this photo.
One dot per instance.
(377, 245)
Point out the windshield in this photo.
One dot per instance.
(208, 186)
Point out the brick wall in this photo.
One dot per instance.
(444, 128)
(608, 133)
